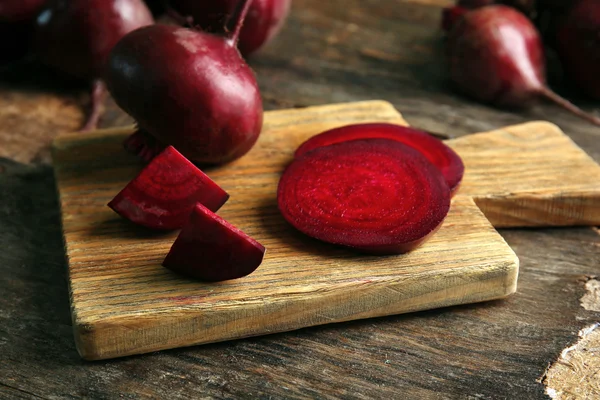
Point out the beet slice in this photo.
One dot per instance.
(376, 195)
(211, 249)
(166, 191)
(442, 156)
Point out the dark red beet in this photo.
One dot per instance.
(19, 10)
(551, 16)
(496, 55)
(451, 15)
(440, 155)
(375, 195)
(166, 191)
(525, 6)
(156, 6)
(578, 46)
(188, 89)
(76, 36)
(16, 26)
(475, 3)
(210, 249)
(265, 19)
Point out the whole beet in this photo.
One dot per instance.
(16, 26)
(76, 37)
(551, 16)
(496, 55)
(578, 46)
(265, 19)
(525, 6)
(19, 10)
(475, 3)
(188, 89)
(451, 15)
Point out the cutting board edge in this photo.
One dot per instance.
(503, 276)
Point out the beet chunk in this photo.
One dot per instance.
(377, 195)
(166, 191)
(442, 156)
(210, 249)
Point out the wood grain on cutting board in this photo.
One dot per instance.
(530, 175)
(124, 302)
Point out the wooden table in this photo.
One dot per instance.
(330, 51)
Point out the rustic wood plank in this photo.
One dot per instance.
(125, 303)
(530, 175)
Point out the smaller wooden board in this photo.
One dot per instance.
(123, 302)
(530, 175)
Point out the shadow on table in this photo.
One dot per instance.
(34, 292)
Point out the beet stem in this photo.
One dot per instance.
(97, 101)
(236, 21)
(567, 105)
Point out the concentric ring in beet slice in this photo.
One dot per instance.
(377, 195)
(166, 191)
(442, 156)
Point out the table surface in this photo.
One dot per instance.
(329, 51)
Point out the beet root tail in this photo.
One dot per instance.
(96, 107)
(567, 105)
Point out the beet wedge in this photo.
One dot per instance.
(166, 191)
(210, 249)
(442, 156)
(376, 195)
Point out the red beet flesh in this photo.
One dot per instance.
(496, 55)
(265, 19)
(377, 195)
(440, 155)
(166, 191)
(578, 45)
(210, 249)
(188, 89)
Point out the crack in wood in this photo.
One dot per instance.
(2, 384)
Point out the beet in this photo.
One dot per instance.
(210, 249)
(451, 15)
(578, 46)
(156, 6)
(188, 89)
(440, 155)
(496, 55)
(19, 10)
(475, 3)
(527, 7)
(376, 195)
(264, 21)
(551, 17)
(16, 27)
(76, 37)
(166, 191)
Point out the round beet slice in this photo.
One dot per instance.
(438, 153)
(377, 195)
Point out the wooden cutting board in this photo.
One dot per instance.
(123, 302)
